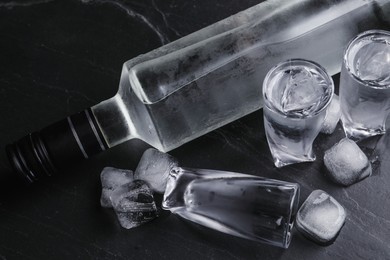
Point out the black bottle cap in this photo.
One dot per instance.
(45, 152)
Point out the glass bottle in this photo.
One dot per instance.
(241, 205)
(200, 82)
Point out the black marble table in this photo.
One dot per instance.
(59, 57)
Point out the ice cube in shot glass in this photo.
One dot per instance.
(365, 85)
(320, 218)
(296, 95)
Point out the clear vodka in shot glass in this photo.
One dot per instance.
(296, 94)
(365, 85)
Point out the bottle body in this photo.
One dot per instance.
(196, 84)
(203, 81)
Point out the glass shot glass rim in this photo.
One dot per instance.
(320, 68)
(369, 84)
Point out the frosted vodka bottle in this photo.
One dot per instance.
(198, 83)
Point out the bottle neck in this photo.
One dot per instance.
(45, 152)
(114, 121)
(72, 139)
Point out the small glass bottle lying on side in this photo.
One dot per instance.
(200, 82)
(242, 205)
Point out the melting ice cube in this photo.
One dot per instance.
(154, 168)
(333, 114)
(134, 204)
(112, 178)
(346, 163)
(320, 218)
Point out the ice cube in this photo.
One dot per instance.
(304, 90)
(154, 168)
(320, 218)
(332, 117)
(112, 178)
(134, 204)
(373, 64)
(346, 163)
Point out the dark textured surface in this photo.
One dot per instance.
(59, 57)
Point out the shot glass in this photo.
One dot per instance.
(365, 85)
(241, 205)
(296, 95)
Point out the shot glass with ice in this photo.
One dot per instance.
(365, 85)
(296, 95)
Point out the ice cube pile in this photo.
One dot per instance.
(131, 195)
(320, 218)
(346, 163)
(332, 117)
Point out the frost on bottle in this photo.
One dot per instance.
(200, 82)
